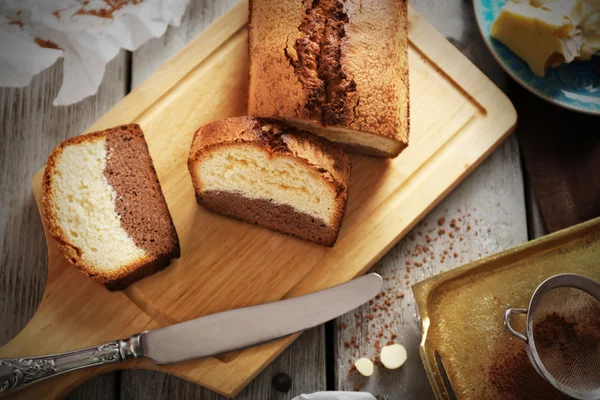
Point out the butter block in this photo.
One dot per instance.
(538, 35)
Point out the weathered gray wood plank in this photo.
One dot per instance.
(152, 55)
(30, 128)
(489, 211)
(305, 360)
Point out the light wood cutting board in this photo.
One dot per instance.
(457, 118)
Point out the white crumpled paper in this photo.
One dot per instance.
(87, 42)
(336, 396)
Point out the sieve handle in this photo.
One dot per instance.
(509, 328)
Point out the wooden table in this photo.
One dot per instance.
(494, 207)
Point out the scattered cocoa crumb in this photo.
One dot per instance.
(16, 22)
(451, 234)
(441, 232)
(441, 221)
(352, 369)
(342, 325)
(56, 13)
(48, 44)
(453, 223)
(356, 387)
(346, 344)
(108, 12)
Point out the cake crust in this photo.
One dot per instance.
(320, 156)
(144, 213)
(332, 63)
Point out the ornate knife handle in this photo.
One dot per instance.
(18, 372)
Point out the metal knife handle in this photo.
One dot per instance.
(18, 372)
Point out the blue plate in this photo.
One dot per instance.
(575, 86)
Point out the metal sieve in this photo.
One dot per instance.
(562, 331)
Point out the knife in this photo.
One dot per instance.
(201, 337)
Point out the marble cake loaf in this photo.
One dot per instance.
(104, 206)
(338, 68)
(265, 173)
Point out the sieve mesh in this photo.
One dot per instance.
(566, 337)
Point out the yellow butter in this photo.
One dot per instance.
(536, 34)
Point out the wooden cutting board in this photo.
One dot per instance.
(457, 118)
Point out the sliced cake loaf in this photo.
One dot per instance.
(337, 68)
(104, 206)
(265, 173)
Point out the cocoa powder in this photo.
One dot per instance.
(514, 378)
(512, 373)
(554, 330)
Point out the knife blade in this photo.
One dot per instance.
(237, 329)
(201, 337)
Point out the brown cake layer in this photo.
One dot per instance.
(278, 217)
(316, 155)
(140, 202)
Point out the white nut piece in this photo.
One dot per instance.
(364, 366)
(393, 356)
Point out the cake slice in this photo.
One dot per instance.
(104, 206)
(337, 68)
(265, 173)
